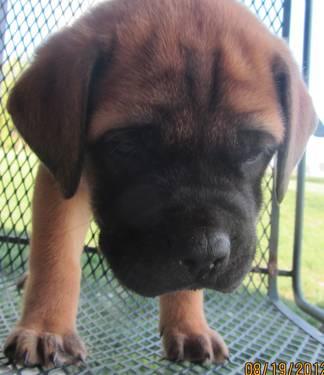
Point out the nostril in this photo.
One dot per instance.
(217, 262)
(189, 263)
(193, 265)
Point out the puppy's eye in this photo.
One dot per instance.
(122, 147)
(254, 146)
(253, 157)
(124, 144)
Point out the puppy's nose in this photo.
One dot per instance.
(210, 251)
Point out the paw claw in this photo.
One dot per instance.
(31, 348)
(81, 361)
(26, 358)
(201, 347)
(54, 360)
(228, 359)
(9, 351)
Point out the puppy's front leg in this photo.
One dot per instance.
(186, 334)
(46, 333)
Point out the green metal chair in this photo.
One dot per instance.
(119, 327)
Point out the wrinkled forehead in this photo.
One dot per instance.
(181, 78)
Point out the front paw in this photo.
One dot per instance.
(199, 346)
(29, 347)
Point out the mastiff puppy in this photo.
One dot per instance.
(160, 118)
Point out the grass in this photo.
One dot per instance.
(318, 180)
(14, 202)
(313, 242)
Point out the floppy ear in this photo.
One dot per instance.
(299, 118)
(49, 104)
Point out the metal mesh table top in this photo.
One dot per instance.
(120, 328)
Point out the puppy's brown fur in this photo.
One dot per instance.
(92, 77)
(185, 331)
(52, 289)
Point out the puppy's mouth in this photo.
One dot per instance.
(154, 284)
(155, 274)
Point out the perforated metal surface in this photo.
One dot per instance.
(120, 328)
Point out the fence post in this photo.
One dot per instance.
(3, 26)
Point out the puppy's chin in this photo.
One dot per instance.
(154, 277)
(146, 289)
